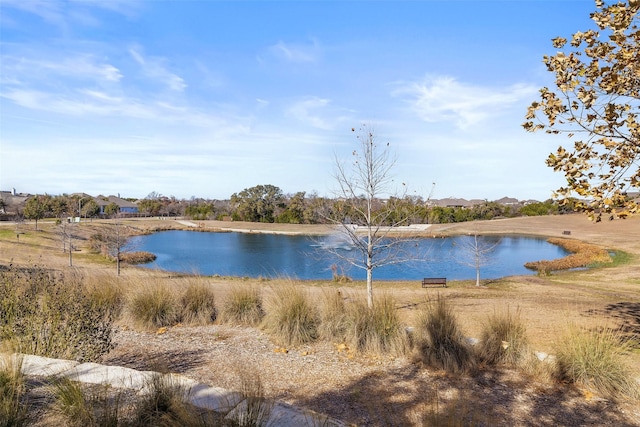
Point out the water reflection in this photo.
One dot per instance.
(302, 257)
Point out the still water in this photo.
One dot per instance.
(304, 257)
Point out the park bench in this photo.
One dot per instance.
(434, 281)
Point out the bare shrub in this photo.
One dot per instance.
(46, 314)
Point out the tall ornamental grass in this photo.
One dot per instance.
(333, 316)
(198, 304)
(594, 359)
(243, 306)
(503, 339)
(14, 411)
(154, 306)
(377, 329)
(291, 317)
(439, 341)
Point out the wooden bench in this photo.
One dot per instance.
(434, 281)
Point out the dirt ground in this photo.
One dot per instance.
(324, 379)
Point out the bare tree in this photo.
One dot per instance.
(362, 215)
(65, 231)
(114, 239)
(477, 252)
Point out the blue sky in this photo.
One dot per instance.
(206, 98)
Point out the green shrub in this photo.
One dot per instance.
(154, 306)
(13, 410)
(243, 306)
(333, 316)
(440, 342)
(593, 359)
(376, 330)
(44, 313)
(503, 339)
(291, 318)
(198, 304)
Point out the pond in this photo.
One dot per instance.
(308, 258)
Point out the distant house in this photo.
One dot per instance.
(508, 201)
(12, 203)
(124, 206)
(452, 202)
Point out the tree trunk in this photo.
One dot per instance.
(370, 271)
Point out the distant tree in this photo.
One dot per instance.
(293, 213)
(150, 207)
(361, 215)
(257, 204)
(35, 208)
(112, 240)
(59, 206)
(200, 211)
(596, 104)
(539, 208)
(90, 208)
(67, 236)
(111, 209)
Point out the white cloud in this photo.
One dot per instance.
(64, 15)
(26, 68)
(308, 112)
(155, 69)
(443, 98)
(293, 52)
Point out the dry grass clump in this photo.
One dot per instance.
(333, 315)
(139, 257)
(503, 339)
(13, 410)
(582, 255)
(254, 409)
(153, 306)
(243, 306)
(291, 318)
(377, 329)
(73, 405)
(165, 404)
(439, 341)
(593, 359)
(198, 304)
(46, 314)
(105, 290)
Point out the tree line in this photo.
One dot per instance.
(268, 204)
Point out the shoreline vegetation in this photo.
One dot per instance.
(582, 255)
